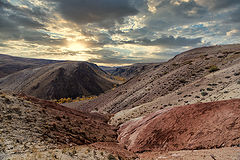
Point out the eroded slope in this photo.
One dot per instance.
(191, 127)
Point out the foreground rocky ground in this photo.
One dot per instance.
(90, 153)
(29, 124)
(37, 129)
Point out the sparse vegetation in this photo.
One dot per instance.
(213, 68)
(209, 89)
(118, 78)
(78, 99)
(204, 93)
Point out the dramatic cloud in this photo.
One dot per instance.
(104, 12)
(115, 32)
(217, 4)
(110, 57)
(235, 16)
(167, 41)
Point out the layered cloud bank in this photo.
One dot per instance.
(113, 32)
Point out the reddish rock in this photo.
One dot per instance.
(197, 126)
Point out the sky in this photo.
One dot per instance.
(115, 32)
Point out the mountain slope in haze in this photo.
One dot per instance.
(29, 124)
(59, 80)
(11, 64)
(182, 70)
(108, 69)
(133, 70)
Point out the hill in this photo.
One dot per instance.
(184, 70)
(11, 64)
(59, 80)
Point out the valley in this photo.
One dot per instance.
(185, 108)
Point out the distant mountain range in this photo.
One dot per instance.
(129, 71)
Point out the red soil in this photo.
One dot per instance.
(197, 126)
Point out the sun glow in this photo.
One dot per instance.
(75, 47)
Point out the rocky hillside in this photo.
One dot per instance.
(220, 85)
(184, 70)
(191, 127)
(29, 124)
(10, 64)
(59, 80)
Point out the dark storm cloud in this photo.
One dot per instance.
(235, 16)
(27, 13)
(169, 14)
(185, 9)
(215, 5)
(25, 21)
(168, 41)
(103, 12)
(225, 3)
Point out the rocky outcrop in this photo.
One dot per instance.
(191, 127)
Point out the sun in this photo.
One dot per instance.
(76, 47)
